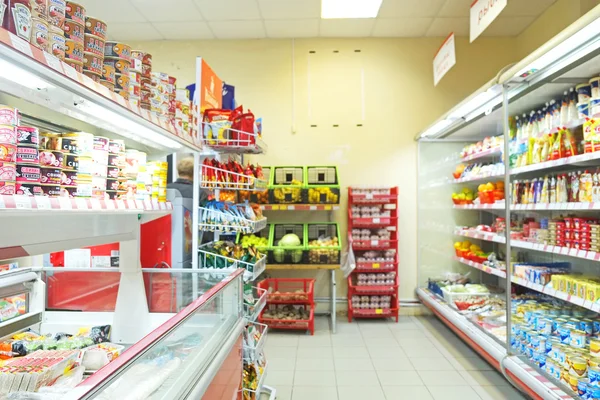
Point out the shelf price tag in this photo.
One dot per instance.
(81, 203)
(43, 203)
(53, 62)
(65, 203)
(275, 208)
(376, 220)
(374, 242)
(291, 208)
(21, 45)
(369, 196)
(591, 255)
(375, 265)
(572, 252)
(378, 311)
(22, 202)
(581, 253)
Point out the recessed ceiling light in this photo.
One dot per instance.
(331, 9)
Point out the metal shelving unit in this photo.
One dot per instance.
(570, 58)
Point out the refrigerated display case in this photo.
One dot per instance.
(508, 217)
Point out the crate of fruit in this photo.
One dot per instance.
(259, 239)
(288, 290)
(287, 244)
(323, 185)
(287, 185)
(257, 196)
(324, 245)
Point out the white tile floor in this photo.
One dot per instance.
(417, 358)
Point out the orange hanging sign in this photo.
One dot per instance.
(210, 87)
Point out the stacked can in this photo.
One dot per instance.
(135, 176)
(118, 56)
(135, 77)
(28, 173)
(100, 167)
(9, 120)
(172, 88)
(159, 100)
(182, 112)
(51, 163)
(159, 170)
(76, 177)
(146, 82)
(116, 160)
(47, 24)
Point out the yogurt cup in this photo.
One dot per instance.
(584, 92)
(595, 87)
(583, 109)
(594, 106)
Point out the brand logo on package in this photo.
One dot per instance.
(483, 13)
(444, 59)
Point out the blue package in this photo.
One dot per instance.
(228, 97)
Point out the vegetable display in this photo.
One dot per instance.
(229, 252)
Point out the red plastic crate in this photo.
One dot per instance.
(377, 222)
(289, 290)
(376, 290)
(377, 266)
(373, 199)
(291, 324)
(374, 244)
(371, 312)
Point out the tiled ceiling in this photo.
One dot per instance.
(252, 19)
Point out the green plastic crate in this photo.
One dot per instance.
(287, 254)
(322, 184)
(323, 254)
(263, 233)
(281, 189)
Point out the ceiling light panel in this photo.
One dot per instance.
(335, 9)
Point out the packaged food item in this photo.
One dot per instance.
(122, 82)
(75, 12)
(77, 65)
(18, 18)
(27, 136)
(28, 173)
(120, 66)
(7, 187)
(40, 34)
(94, 45)
(96, 27)
(92, 75)
(56, 13)
(8, 153)
(28, 189)
(8, 171)
(8, 134)
(74, 31)
(50, 158)
(57, 43)
(117, 50)
(108, 73)
(9, 116)
(39, 9)
(50, 175)
(74, 51)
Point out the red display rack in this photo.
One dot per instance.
(290, 292)
(373, 237)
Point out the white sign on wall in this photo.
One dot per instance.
(444, 59)
(483, 13)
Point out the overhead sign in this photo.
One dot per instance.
(444, 59)
(483, 13)
(210, 87)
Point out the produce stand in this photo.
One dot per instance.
(525, 254)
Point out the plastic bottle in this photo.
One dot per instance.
(552, 190)
(573, 114)
(564, 109)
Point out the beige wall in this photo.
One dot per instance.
(399, 101)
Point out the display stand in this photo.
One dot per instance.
(373, 232)
(473, 164)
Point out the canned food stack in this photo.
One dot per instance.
(159, 170)
(118, 56)
(146, 82)
(99, 167)
(135, 176)
(76, 177)
(9, 120)
(47, 24)
(116, 162)
(182, 112)
(93, 55)
(135, 77)
(172, 87)
(159, 99)
(28, 171)
(51, 163)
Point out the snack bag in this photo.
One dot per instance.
(216, 123)
(569, 144)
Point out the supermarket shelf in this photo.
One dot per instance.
(251, 273)
(481, 267)
(548, 290)
(229, 222)
(47, 88)
(230, 180)
(556, 206)
(495, 206)
(299, 207)
(380, 266)
(533, 383)
(255, 394)
(487, 236)
(563, 251)
(253, 352)
(39, 225)
(473, 179)
(248, 143)
(253, 311)
(489, 153)
(302, 266)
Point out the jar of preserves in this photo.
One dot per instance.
(16, 17)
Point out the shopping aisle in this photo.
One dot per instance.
(418, 358)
